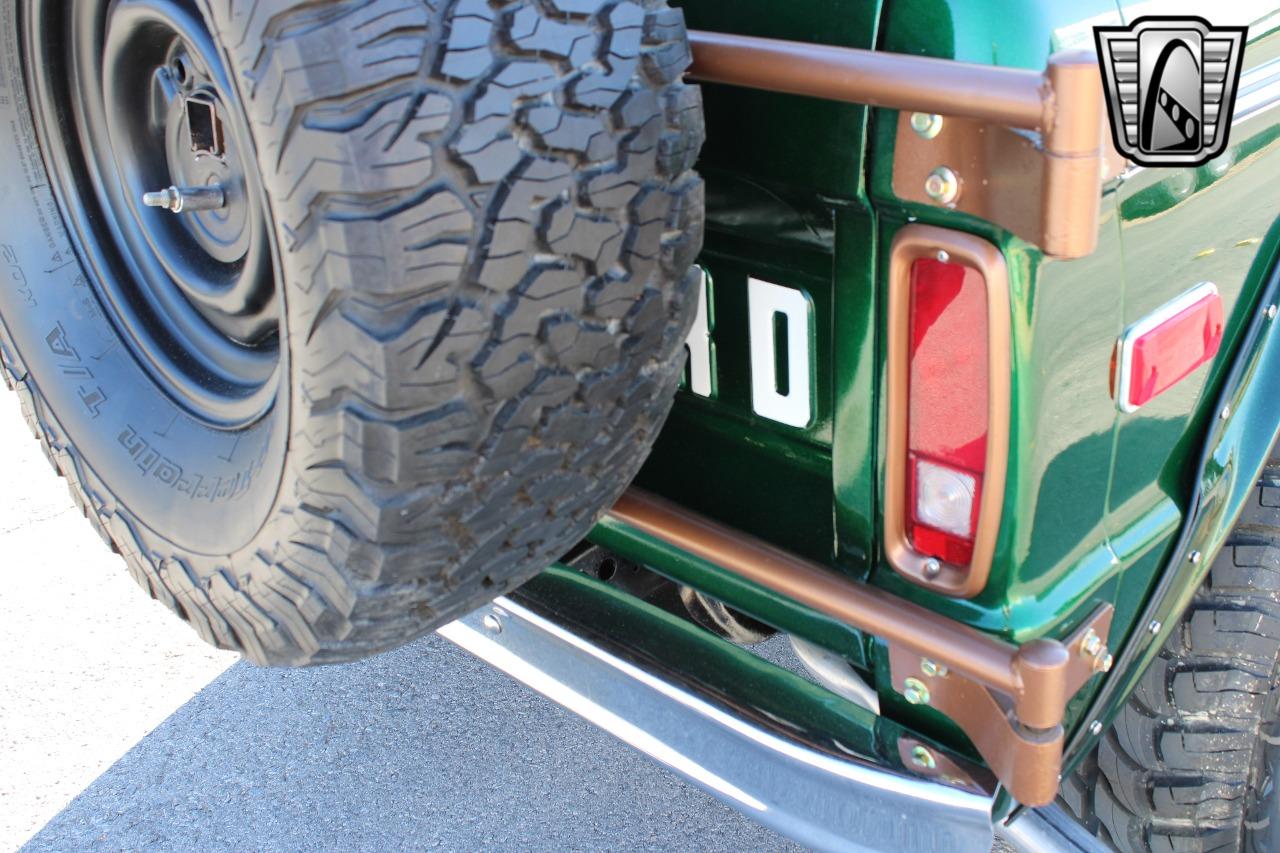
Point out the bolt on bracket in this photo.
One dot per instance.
(1019, 734)
(1029, 147)
(1039, 179)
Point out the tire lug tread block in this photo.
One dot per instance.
(1186, 765)
(456, 422)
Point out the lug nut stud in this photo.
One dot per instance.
(183, 199)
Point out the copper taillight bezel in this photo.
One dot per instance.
(926, 241)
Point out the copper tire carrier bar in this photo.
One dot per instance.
(1008, 699)
(1045, 190)
(1021, 149)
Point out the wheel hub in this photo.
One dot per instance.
(165, 172)
(167, 123)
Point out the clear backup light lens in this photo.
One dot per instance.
(945, 498)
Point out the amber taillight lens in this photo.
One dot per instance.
(948, 406)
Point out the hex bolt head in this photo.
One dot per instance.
(1090, 644)
(915, 691)
(1155, 626)
(942, 185)
(1225, 413)
(933, 669)
(1271, 312)
(1104, 663)
(927, 125)
(492, 623)
(922, 757)
(1195, 558)
(1095, 728)
(931, 568)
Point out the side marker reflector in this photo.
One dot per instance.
(1164, 348)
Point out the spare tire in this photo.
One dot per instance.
(408, 320)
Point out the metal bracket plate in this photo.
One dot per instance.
(1008, 177)
(1026, 759)
(1027, 149)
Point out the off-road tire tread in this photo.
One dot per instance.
(488, 218)
(1178, 770)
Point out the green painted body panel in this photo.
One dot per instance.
(1225, 472)
(799, 194)
(785, 203)
(710, 447)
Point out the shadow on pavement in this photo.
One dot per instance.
(422, 747)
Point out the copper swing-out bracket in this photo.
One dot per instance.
(1010, 700)
(1039, 177)
(1021, 735)
(1022, 149)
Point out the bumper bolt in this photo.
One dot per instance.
(1271, 312)
(183, 199)
(942, 185)
(1155, 626)
(1091, 644)
(933, 669)
(922, 757)
(915, 691)
(492, 623)
(927, 125)
(1095, 728)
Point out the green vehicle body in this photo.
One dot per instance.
(1100, 505)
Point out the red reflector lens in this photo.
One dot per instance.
(947, 409)
(1166, 347)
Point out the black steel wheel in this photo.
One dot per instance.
(342, 318)
(147, 92)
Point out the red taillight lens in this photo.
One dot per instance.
(948, 377)
(948, 408)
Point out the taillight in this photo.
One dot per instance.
(948, 400)
(947, 407)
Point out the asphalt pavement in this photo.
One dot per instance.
(119, 729)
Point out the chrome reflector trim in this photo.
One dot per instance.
(1171, 309)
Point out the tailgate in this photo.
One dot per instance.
(781, 442)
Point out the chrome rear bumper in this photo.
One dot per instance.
(791, 755)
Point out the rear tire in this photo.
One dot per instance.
(1192, 762)
(483, 222)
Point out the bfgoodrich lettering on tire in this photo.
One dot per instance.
(416, 326)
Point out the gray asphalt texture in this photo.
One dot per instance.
(120, 730)
(420, 748)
